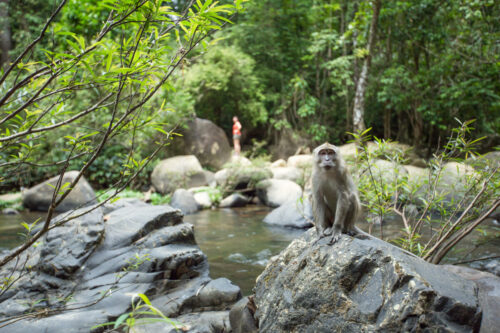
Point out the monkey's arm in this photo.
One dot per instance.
(319, 212)
(340, 218)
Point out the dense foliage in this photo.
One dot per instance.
(294, 65)
(432, 61)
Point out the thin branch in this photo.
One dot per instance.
(65, 122)
(33, 43)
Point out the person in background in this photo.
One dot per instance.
(236, 135)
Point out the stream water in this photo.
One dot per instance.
(238, 244)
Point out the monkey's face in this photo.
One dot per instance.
(326, 156)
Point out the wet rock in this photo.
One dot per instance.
(178, 172)
(40, 196)
(275, 192)
(293, 214)
(97, 267)
(234, 200)
(184, 200)
(361, 285)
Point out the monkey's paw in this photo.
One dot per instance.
(334, 239)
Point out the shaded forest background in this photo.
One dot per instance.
(291, 69)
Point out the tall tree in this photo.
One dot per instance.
(359, 97)
(5, 43)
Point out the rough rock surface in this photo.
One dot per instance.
(293, 213)
(178, 172)
(275, 192)
(489, 295)
(361, 285)
(184, 200)
(40, 196)
(85, 273)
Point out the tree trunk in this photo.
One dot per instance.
(343, 14)
(358, 113)
(387, 123)
(5, 43)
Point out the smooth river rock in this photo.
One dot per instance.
(293, 214)
(40, 196)
(87, 271)
(275, 192)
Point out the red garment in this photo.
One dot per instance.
(236, 128)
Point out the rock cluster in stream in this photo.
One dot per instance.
(85, 273)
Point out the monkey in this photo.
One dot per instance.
(336, 204)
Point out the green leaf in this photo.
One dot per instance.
(120, 320)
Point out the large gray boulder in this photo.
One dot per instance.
(275, 192)
(207, 141)
(39, 197)
(361, 285)
(293, 214)
(87, 272)
(178, 172)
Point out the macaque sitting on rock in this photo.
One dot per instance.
(335, 198)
